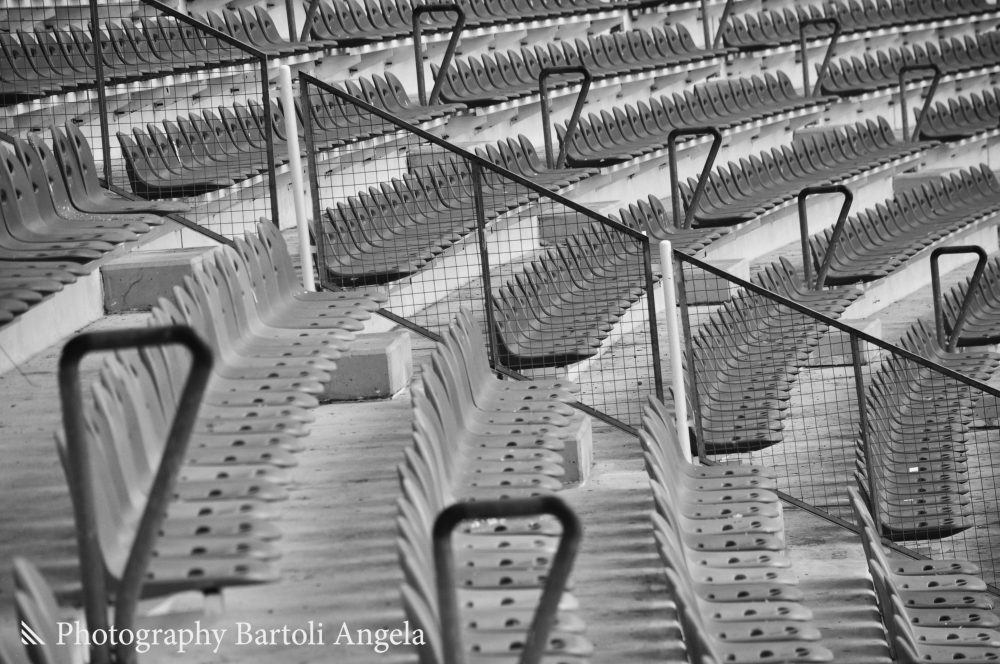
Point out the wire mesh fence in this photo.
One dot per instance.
(559, 290)
(169, 107)
(774, 379)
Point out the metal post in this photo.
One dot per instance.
(838, 230)
(726, 12)
(674, 341)
(654, 339)
(295, 165)
(308, 21)
(859, 387)
(418, 49)
(581, 99)
(290, 17)
(706, 28)
(317, 208)
(548, 604)
(805, 52)
(102, 100)
(269, 137)
(162, 491)
(675, 189)
(948, 340)
(903, 71)
(78, 452)
(692, 374)
(484, 259)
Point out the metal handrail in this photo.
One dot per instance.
(81, 481)
(903, 71)
(574, 120)
(726, 12)
(558, 575)
(675, 190)
(837, 29)
(449, 54)
(838, 231)
(307, 22)
(948, 339)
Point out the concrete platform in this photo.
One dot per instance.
(377, 366)
(136, 281)
(80, 303)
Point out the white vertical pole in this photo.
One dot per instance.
(674, 340)
(295, 165)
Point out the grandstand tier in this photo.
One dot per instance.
(499, 331)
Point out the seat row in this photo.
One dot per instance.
(917, 437)
(500, 77)
(352, 23)
(651, 217)
(55, 218)
(742, 192)
(205, 152)
(962, 117)
(932, 610)
(520, 157)
(720, 534)
(273, 346)
(626, 133)
(748, 354)
(38, 63)
(253, 25)
(565, 302)
(395, 229)
(878, 70)
(880, 240)
(770, 28)
(475, 439)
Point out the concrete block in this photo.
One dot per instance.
(578, 456)
(706, 288)
(77, 305)
(135, 281)
(376, 367)
(835, 349)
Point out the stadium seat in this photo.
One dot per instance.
(741, 192)
(477, 438)
(720, 536)
(630, 132)
(933, 611)
(881, 69)
(500, 77)
(749, 354)
(918, 429)
(566, 302)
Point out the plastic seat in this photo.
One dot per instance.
(718, 534)
(932, 610)
(558, 311)
(461, 452)
(748, 356)
(879, 240)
